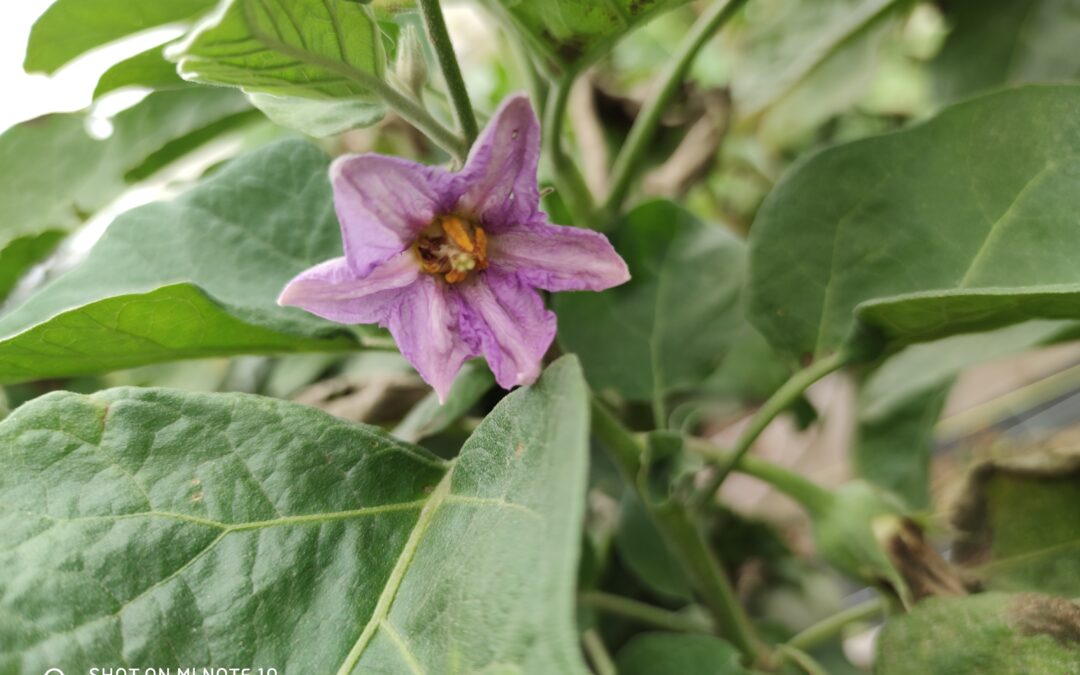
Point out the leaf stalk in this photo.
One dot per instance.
(667, 85)
(686, 541)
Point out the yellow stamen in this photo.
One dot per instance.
(481, 248)
(455, 229)
(455, 276)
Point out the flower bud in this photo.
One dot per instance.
(851, 532)
(411, 66)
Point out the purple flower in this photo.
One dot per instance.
(451, 262)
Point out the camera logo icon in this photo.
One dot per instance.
(54, 671)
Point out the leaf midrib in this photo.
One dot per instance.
(397, 574)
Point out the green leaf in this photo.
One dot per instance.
(804, 62)
(195, 277)
(318, 118)
(429, 418)
(148, 69)
(994, 633)
(925, 233)
(53, 174)
(69, 28)
(322, 49)
(680, 316)
(645, 553)
(894, 450)
(571, 32)
(227, 529)
(1015, 524)
(1020, 41)
(664, 653)
(915, 372)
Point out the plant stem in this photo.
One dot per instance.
(682, 535)
(598, 653)
(808, 494)
(565, 173)
(781, 399)
(802, 660)
(417, 115)
(829, 627)
(668, 83)
(643, 613)
(448, 63)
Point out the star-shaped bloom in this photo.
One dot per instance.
(451, 262)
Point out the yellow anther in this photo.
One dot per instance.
(454, 276)
(455, 229)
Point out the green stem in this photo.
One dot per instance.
(417, 115)
(448, 63)
(829, 627)
(802, 660)
(808, 494)
(684, 538)
(669, 81)
(565, 173)
(598, 653)
(643, 613)
(780, 401)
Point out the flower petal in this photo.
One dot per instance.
(423, 324)
(558, 258)
(333, 291)
(383, 203)
(501, 172)
(506, 321)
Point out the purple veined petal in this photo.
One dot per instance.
(500, 175)
(424, 323)
(558, 258)
(333, 291)
(384, 202)
(507, 321)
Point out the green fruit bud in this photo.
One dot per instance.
(851, 534)
(411, 66)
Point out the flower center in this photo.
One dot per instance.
(451, 247)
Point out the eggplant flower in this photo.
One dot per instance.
(451, 262)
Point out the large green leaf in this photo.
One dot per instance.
(964, 223)
(1017, 41)
(308, 48)
(679, 319)
(910, 375)
(1020, 634)
(318, 118)
(804, 62)
(148, 69)
(53, 174)
(195, 277)
(69, 28)
(576, 31)
(149, 526)
(668, 654)
(894, 450)
(1015, 523)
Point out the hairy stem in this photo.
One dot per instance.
(828, 628)
(682, 535)
(565, 173)
(668, 83)
(643, 613)
(808, 494)
(780, 401)
(801, 660)
(448, 63)
(417, 115)
(598, 653)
